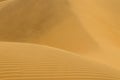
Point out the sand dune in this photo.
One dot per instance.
(87, 27)
(20, 61)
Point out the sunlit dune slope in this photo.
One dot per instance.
(20, 61)
(101, 19)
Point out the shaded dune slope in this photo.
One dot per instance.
(22, 18)
(25, 21)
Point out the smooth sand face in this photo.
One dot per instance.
(20, 61)
(101, 18)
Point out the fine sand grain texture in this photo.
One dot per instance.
(20, 61)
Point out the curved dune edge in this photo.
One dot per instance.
(34, 62)
(37, 45)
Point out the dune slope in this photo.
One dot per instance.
(44, 22)
(35, 62)
(101, 19)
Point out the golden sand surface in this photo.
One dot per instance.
(101, 19)
(22, 61)
(89, 28)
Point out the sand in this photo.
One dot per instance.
(101, 18)
(22, 61)
(92, 32)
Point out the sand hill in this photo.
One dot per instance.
(87, 27)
